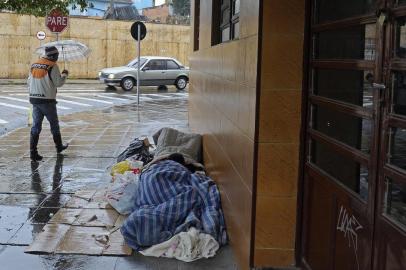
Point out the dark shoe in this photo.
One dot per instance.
(35, 156)
(33, 148)
(58, 143)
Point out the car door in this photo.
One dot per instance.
(153, 73)
(172, 71)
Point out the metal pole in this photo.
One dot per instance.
(139, 65)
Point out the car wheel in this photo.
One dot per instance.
(181, 83)
(127, 83)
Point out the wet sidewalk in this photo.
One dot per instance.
(31, 193)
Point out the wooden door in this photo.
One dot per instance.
(343, 133)
(390, 222)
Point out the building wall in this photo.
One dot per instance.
(98, 8)
(222, 108)
(249, 111)
(157, 13)
(110, 42)
(279, 131)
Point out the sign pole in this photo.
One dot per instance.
(139, 65)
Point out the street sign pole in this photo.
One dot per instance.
(139, 64)
(138, 32)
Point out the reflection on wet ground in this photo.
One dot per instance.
(31, 193)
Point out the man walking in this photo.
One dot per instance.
(43, 81)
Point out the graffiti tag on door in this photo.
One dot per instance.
(349, 225)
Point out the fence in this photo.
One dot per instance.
(110, 42)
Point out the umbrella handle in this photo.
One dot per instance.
(63, 55)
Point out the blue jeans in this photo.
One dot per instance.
(49, 111)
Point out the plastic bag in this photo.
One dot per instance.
(139, 148)
(135, 165)
(121, 167)
(121, 193)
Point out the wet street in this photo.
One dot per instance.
(75, 96)
(31, 193)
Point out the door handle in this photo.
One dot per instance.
(379, 86)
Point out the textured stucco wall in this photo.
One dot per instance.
(110, 42)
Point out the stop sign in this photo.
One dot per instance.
(56, 21)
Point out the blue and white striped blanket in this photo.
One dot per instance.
(170, 200)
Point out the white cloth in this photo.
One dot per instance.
(185, 246)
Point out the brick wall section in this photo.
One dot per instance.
(157, 13)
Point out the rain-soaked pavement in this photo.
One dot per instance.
(30, 193)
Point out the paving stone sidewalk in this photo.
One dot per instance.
(31, 193)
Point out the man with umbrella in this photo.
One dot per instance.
(43, 81)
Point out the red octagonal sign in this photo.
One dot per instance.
(56, 21)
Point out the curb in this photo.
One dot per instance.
(24, 82)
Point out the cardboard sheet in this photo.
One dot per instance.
(88, 226)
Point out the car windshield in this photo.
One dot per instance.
(133, 63)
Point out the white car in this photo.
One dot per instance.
(155, 71)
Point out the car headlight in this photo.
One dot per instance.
(111, 76)
(100, 73)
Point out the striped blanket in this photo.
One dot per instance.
(171, 200)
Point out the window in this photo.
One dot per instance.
(196, 26)
(226, 21)
(156, 65)
(134, 63)
(170, 64)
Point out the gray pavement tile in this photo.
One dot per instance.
(12, 218)
(13, 258)
(224, 260)
(26, 234)
(78, 262)
(140, 262)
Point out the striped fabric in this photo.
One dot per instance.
(69, 50)
(170, 200)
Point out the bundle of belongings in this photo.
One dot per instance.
(174, 208)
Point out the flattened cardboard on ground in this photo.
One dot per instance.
(116, 245)
(86, 231)
(68, 239)
(89, 199)
(85, 194)
(86, 217)
(97, 218)
(82, 240)
(65, 216)
(48, 240)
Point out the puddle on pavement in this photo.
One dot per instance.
(43, 214)
(24, 200)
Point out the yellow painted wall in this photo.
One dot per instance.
(110, 42)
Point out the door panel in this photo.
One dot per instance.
(155, 74)
(390, 218)
(332, 10)
(172, 71)
(342, 136)
(355, 172)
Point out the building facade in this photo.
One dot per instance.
(158, 13)
(97, 8)
(302, 107)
